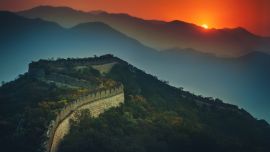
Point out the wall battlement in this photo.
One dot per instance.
(97, 102)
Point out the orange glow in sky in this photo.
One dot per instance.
(205, 26)
(250, 14)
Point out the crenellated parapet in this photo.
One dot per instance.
(97, 102)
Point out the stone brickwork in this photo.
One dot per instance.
(96, 102)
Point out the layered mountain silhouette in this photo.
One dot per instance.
(241, 80)
(23, 40)
(159, 34)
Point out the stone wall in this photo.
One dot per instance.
(96, 102)
(106, 59)
(104, 68)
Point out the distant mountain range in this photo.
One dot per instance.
(23, 40)
(159, 34)
(242, 80)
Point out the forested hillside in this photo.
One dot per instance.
(155, 116)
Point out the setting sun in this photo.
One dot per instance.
(205, 26)
(166, 75)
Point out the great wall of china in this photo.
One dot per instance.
(96, 102)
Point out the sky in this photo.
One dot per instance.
(253, 15)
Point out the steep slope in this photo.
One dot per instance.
(29, 103)
(155, 116)
(242, 81)
(159, 34)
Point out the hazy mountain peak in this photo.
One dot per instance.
(8, 15)
(161, 35)
(92, 25)
(256, 55)
(49, 8)
(177, 22)
(237, 30)
(98, 12)
(17, 20)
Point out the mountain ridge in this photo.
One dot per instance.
(154, 113)
(62, 8)
(162, 35)
(211, 75)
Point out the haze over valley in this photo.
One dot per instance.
(78, 76)
(241, 79)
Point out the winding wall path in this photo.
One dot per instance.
(97, 103)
